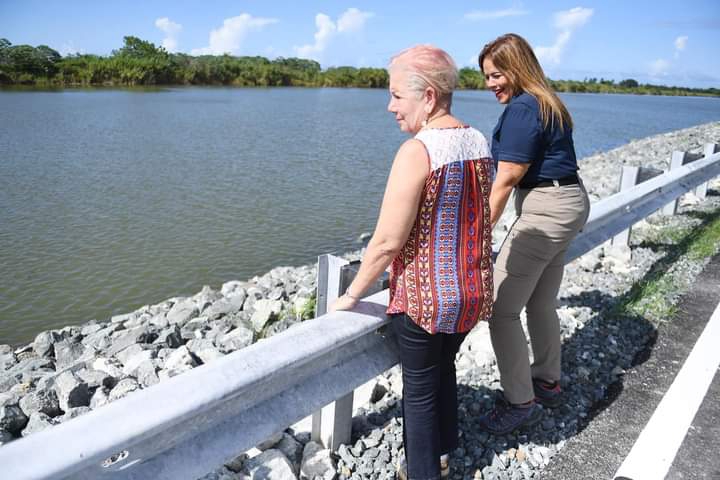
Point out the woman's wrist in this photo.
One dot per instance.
(349, 294)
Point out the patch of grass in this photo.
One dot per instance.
(650, 298)
(308, 309)
(667, 235)
(707, 243)
(655, 296)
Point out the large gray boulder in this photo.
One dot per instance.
(7, 360)
(236, 464)
(7, 381)
(138, 320)
(6, 437)
(29, 364)
(224, 306)
(159, 321)
(217, 328)
(44, 344)
(122, 318)
(99, 398)
(132, 362)
(108, 365)
(317, 462)
(123, 388)
(124, 339)
(292, 449)
(182, 312)
(12, 419)
(69, 353)
(102, 339)
(170, 337)
(271, 441)
(177, 362)
(97, 378)
(71, 391)
(38, 421)
(265, 312)
(269, 465)
(234, 287)
(73, 413)
(253, 295)
(235, 339)
(224, 473)
(206, 297)
(126, 354)
(91, 327)
(9, 398)
(204, 349)
(146, 373)
(41, 401)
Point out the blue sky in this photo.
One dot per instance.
(668, 42)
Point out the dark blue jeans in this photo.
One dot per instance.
(429, 395)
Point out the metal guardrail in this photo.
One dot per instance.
(190, 424)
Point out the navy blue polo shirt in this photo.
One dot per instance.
(519, 137)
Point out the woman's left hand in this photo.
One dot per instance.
(344, 302)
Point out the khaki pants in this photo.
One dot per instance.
(528, 272)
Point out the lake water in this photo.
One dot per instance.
(113, 199)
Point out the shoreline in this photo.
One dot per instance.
(160, 87)
(66, 372)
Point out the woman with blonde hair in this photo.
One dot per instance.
(434, 228)
(533, 149)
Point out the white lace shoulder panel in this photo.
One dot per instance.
(448, 145)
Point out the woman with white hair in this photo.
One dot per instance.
(434, 228)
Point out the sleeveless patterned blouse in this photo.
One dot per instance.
(442, 277)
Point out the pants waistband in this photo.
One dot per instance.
(569, 180)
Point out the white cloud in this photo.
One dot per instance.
(659, 67)
(351, 21)
(573, 18)
(492, 15)
(680, 44)
(229, 37)
(171, 31)
(325, 29)
(567, 22)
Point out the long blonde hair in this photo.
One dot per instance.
(513, 57)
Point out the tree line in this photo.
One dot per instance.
(139, 62)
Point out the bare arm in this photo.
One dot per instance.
(397, 217)
(508, 175)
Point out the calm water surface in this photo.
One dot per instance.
(112, 199)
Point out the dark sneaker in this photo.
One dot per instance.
(507, 417)
(547, 394)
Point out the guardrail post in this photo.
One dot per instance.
(678, 160)
(701, 190)
(332, 425)
(630, 177)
